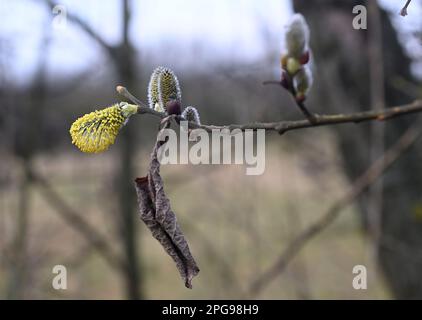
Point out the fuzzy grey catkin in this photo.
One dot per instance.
(163, 88)
(191, 114)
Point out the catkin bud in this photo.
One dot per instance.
(283, 61)
(306, 56)
(168, 88)
(163, 88)
(191, 114)
(303, 82)
(159, 108)
(173, 107)
(284, 80)
(293, 66)
(297, 36)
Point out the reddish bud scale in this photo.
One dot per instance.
(284, 61)
(173, 107)
(284, 81)
(304, 59)
(300, 98)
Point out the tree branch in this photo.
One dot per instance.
(284, 126)
(360, 185)
(85, 27)
(288, 85)
(403, 11)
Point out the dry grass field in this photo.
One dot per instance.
(236, 225)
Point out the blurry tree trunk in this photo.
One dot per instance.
(377, 99)
(18, 266)
(26, 145)
(122, 57)
(342, 82)
(125, 63)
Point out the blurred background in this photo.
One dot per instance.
(58, 206)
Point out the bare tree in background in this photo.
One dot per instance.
(341, 56)
(342, 60)
(122, 57)
(25, 147)
(125, 63)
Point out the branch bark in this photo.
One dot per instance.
(284, 126)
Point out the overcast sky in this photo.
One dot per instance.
(222, 28)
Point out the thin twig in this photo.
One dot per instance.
(360, 185)
(125, 93)
(308, 114)
(301, 104)
(403, 11)
(284, 126)
(291, 89)
(271, 82)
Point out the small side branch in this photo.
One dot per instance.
(288, 85)
(403, 11)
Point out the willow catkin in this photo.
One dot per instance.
(96, 131)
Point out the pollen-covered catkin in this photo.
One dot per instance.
(96, 131)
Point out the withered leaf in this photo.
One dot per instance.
(156, 213)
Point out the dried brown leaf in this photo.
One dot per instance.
(155, 211)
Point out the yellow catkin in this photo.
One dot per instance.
(96, 131)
